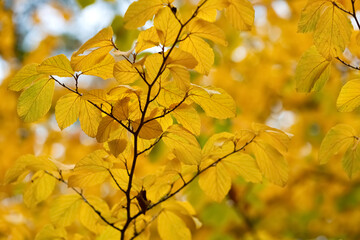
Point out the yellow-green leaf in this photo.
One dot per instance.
(240, 14)
(35, 101)
(201, 51)
(349, 96)
(312, 71)
(271, 163)
(215, 182)
(25, 76)
(243, 165)
(214, 101)
(91, 170)
(67, 110)
(339, 138)
(28, 162)
(125, 72)
(64, 210)
(351, 161)
(332, 32)
(49, 232)
(141, 11)
(58, 65)
(89, 118)
(310, 15)
(170, 226)
(167, 26)
(207, 30)
(39, 189)
(184, 145)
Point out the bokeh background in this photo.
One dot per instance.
(256, 68)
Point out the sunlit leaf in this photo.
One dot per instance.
(35, 101)
(67, 110)
(170, 226)
(58, 65)
(64, 210)
(349, 96)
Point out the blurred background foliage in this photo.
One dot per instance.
(256, 68)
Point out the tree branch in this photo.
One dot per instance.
(60, 179)
(347, 64)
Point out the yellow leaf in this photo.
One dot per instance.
(147, 39)
(89, 218)
(240, 14)
(207, 30)
(215, 182)
(351, 161)
(141, 11)
(215, 145)
(181, 76)
(39, 189)
(170, 226)
(180, 57)
(349, 97)
(67, 110)
(310, 15)
(117, 146)
(332, 32)
(89, 118)
(97, 96)
(64, 210)
(243, 165)
(214, 101)
(208, 10)
(28, 162)
(312, 71)
(159, 189)
(50, 232)
(125, 72)
(26, 76)
(201, 51)
(184, 145)
(103, 69)
(35, 101)
(271, 163)
(121, 109)
(339, 138)
(91, 170)
(152, 65)
(58, 65)
(167, 26)
(149, 130)
(100, 44)
(188, 117)
(106, 126)
(275, 137)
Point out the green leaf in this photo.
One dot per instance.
(312, 71)
(35, 101)
(349, 96)
(25, 77)
(338, 139)
(67, 110)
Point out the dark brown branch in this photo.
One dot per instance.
(116, 182)
(200, 171)
(151, 146)
(347, 64)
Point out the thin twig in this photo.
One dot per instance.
(347, 64)
(80, 193)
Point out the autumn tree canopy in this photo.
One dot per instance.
(210, 119)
